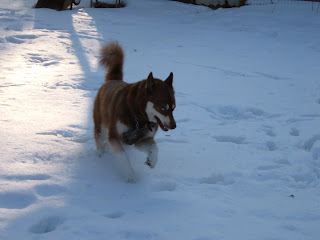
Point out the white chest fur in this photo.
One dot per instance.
(121, 128)
(151, 134)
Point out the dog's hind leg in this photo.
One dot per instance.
(102, 140)
(100, 135)
(100, 131)
(150, 147)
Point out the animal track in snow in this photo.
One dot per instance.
(165, 186)
(62, 133)
(304, 118)
(6, 12)
(219, 179)
(138, 235)
(204, 238)
(230, 139)
(7, 85)
(26, 36)
(316, 153)
(232, 112)
(16, 200)
(183, 120)
(21, 199)
(309, 143)
(13, 39)
(294, 120)
(269, 131)
(294, 132)
(25, 177)
(18, 39)
(47, 224)
(269, 76)
(71, 135)
(46, 190)
(271, 146)
(170, 140)
(269, 167)
(311, 115)
(114, 215)
(302, 179)
(282, 161)
(37, 58)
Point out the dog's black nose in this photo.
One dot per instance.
(173, 125)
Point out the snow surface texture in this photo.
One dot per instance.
(243, 163)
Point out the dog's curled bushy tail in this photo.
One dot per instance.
(112, 59)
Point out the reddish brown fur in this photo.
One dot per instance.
(112, 58)
(117, 100)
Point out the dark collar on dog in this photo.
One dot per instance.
(147, 125)
(131, 136)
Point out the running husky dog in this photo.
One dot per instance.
(127, 114)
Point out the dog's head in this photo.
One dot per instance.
(160, 102)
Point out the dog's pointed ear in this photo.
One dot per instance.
(150, 83)
(169, 80)
(150, 77)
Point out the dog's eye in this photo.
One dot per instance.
(164, 107)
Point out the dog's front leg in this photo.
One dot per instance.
(122, 160)
(150, 147)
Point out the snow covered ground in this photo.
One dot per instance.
(243, 163)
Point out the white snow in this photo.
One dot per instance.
(243, 162)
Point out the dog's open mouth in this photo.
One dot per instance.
(161, 124)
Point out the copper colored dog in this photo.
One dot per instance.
(130, 114)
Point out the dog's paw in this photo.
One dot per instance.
(150, 163)
(152, 158)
